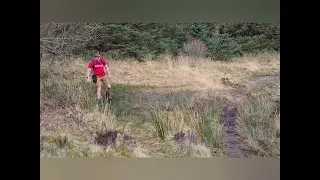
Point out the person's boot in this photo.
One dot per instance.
(108, 96)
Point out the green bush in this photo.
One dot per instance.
(223, 48)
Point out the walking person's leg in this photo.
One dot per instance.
(99, 89)
(106, 82)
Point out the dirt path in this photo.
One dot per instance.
(231, 139)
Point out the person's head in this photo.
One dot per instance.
(97, 57)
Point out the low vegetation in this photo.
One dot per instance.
(170, 107)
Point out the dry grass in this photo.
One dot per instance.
(259, 125)
(192, 74)
(68, 106)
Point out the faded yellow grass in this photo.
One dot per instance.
(182, 73)
(191, 74)
(74, 121)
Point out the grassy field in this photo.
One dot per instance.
(164, 108)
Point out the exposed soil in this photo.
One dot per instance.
(231, 139)
(186, 139)
(110, 138)
(107, 138)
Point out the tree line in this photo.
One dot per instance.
(218, 41)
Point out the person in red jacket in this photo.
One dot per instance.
(97, 69)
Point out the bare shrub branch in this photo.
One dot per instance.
(64, 39)
(195, 48)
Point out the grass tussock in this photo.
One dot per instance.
(259, 125)
(201, 118)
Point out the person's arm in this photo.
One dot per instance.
(107, 68)
(89, 71)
